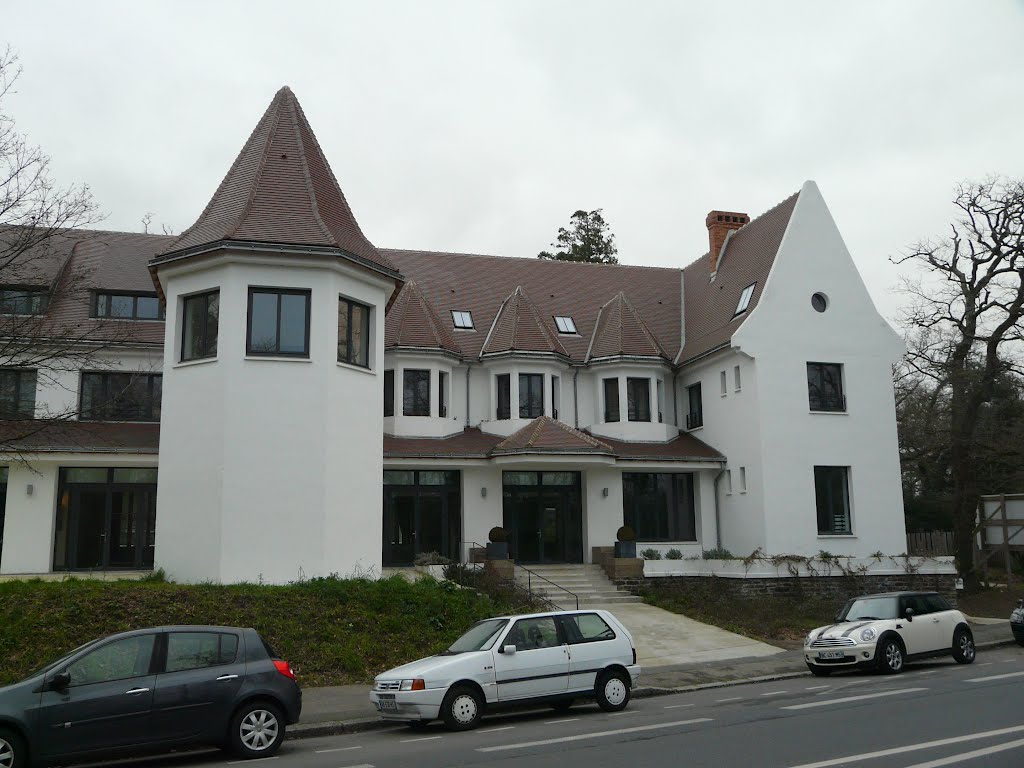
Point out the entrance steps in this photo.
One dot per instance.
(587, 581)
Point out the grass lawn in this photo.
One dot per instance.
(333, 631)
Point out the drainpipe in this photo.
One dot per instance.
(467, 393)
(575, 400)
(718, 526)
(675, 398)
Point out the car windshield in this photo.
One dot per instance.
(870, 608)
(479, 637)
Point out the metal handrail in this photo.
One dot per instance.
(529, 580)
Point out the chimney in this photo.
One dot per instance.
(720, 224)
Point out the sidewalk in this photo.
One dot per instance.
(347, 708)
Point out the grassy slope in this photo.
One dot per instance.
(333, 631)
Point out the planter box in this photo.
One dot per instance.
(625, 568)
(497, 550)
(503, 569)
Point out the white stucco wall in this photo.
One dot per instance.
(433, 425)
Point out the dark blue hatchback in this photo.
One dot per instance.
(152, 690)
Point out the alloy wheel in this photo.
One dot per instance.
(967, 648)
(6, 753)
(258, 730)
(893, 656)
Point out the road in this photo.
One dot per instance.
(934, 714)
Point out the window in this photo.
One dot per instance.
(416, 393)
(389, 393)
(611, 400)
(661, 399)
(353, 333)
(743, 479)
(819, 301)
(659, 506)
(17, 393)
(532, 634)
(728, 482)
(556, 396)
(128, 306)
(462, 319)
(504, 387)
(531, 395)
(119, 660)
(737, 382)
(832, 497)
(121, 396)
(825, 387)
(723, 383)
(195, 650)
(586, 628)
(638, 399)
(278, 322)
(744, 302)
(201, 315)
(565, 324)
(695, 414)
(442, 394)
(23, 301)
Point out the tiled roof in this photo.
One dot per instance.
(711, 305)
(281, 190)
(621, 331)
(685, 447)
(79, 436)
(471, 443)
(413, 323)
(518, 327)
(546, 435)
(34, 256)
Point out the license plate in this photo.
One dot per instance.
(830, 654)
(388, 704)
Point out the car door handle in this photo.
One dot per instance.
(227, 677)
(136, 691)
(935, 621)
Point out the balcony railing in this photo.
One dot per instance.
(694, 419)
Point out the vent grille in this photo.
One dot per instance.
(389, 685)
(833, 642)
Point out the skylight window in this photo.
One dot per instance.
(745, 299)
(565, 324)
(462, 319)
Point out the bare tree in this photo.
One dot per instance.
(965, 327)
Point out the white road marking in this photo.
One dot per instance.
(1008, 661)
(336, 749)
(678, 706)
(422, 738)
(855, 682)
(928, 672)
(844, 699)
(627, 712)
(994, 677)
(986, 664)
(957, 759)
(774, 693)
(556, 722)
(361, 765)
(495, 730)
(817, 687)
(600, 734)
(731, 698)
(913, 747)
(257, 760)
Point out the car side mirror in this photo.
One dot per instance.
(838, 617)
(59, 682)
(509, 649)
(909, 613)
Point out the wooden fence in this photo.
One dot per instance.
(930, 544)
(1000, 530)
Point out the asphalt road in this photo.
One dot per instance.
(932, 715)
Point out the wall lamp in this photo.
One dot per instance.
(483, 493)
(604, 492)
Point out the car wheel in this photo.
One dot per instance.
(13, 752)
(963, 646)
(462, 708)
(819, 671)
(562, 705)
(612, 691)
(256, 730)
(890, 656)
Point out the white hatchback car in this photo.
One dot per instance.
(885, 631)
(552, 658)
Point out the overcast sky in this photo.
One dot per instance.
(481, 126)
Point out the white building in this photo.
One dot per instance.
(312, 404)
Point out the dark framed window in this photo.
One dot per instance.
(744, 302)
(503, 382)
(659, 506)
(611, 400)
(353, 333)
(565, 324)
(127, 306)
(695, 414)
(531, 395)
(462, 319)
(201, 321)
(556, 395)
(23, 301)
(278, 322)
(442, 394)
(416, 392)
(111, 396)
(832, 498)
(825, 387)
(389, 393)
(17, 393)
(638, 399)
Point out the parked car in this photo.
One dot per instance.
(554, 658)
(885, 631)
(151, 690)
(1017, 622)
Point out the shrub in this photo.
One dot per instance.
(431, 558)
(673, 554)
(718, 553)
(650, 554)
(625, 533)
(497, 535)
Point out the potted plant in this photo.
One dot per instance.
(497, 545)
(625, 546)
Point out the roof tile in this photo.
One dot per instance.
(621, 331)
(412, 322)
(518, 328)
(546, 435)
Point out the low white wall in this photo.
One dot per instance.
(763, 569)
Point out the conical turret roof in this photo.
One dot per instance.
(412, 322)
(281, 190)
(620, 331)
(518, 328)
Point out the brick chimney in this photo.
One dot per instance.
(720, 224)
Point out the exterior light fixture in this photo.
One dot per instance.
(604, 492)
(483, 493)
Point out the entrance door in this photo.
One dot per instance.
(543, 512)
(400, 528)
(421, 514)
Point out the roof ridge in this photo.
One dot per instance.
(421, 251)
(310, 190)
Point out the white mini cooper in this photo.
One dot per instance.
(552, 658)
(885, 631)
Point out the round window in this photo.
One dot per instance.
(820, 302)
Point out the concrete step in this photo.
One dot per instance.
(588, 583)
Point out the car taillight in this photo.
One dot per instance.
(284, 668)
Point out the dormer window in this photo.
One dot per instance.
(748, 292)
(565, 324)
(128, 306)
(462, 319)
(22, 301)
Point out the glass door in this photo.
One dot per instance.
(421, 514)
(526, 526)
(401, 528)
(544, 516)
(88, 528)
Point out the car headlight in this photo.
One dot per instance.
(868, 634)
(809, 639)
(415, 684)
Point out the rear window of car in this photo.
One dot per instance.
(195, 650)
(587, 628)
